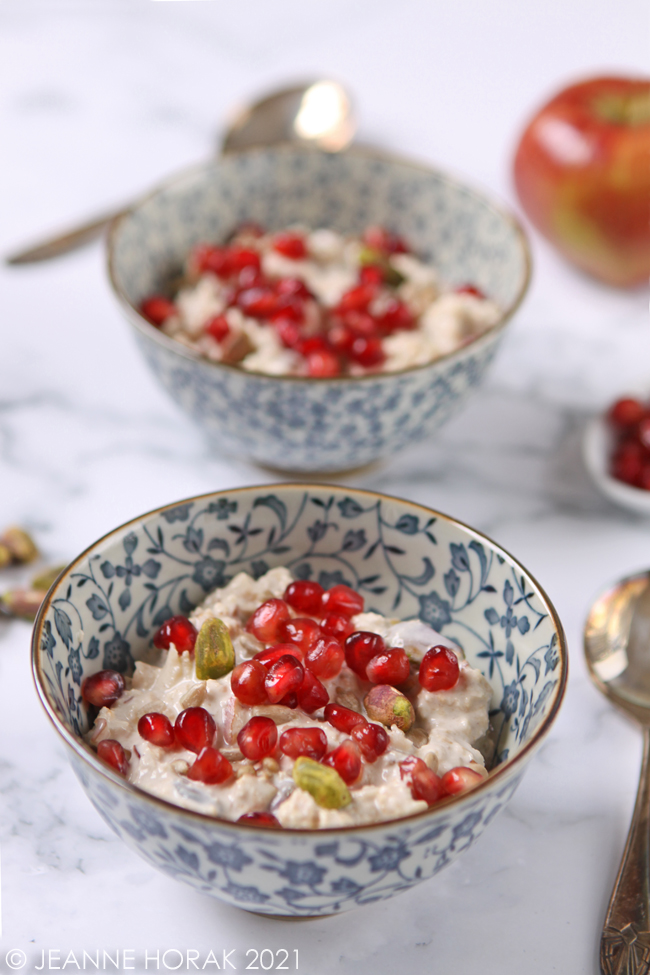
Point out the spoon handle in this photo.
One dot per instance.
(63, 242)
(625, 942)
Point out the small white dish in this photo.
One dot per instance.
(596, 450)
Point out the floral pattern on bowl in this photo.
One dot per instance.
(304, 424)
(408, 561)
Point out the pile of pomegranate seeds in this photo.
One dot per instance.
(328, 339)
(629, 420)
(307, 638)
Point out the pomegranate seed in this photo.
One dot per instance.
(627, 463)
(361, 324)
(360, 648)
(372, 739)
(265, 819)
(422, 781)
(311, 742)
(247, 683)
(357, 298)
(389, 667)
(643, 432)
(315, 343)
(213, 260)
(157, 309)
(250, 277)
(289, 700)
(343, 601)
(195, 729)
(367, 351)
(272, 654)
(346, 759)
(396, 316)
(625, 413)
(305, 597)
(325, 658)
(371, 274)
(258, 738)
(157, 729)
(293, 288)
(258, 302)
(337, 626)
(267, 620)
(302, 632)
(111, 752)
(470, 289)
(311, 695)
(380, 239)
(288, 307)
(103, 688)
(290, 245)
(210, 766)
(179, 631)
(342, 718)
(439, 670)
(644, 480)
(241, 257)
(460, 779)
(218, 328)
(289, 332)
(323, 365)
(283, 677)
(341, 338)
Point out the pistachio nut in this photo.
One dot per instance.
(213, 652)
(22, 604)
(388, 706)
(19, 543)
(324, 784)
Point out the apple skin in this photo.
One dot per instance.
(582, 174)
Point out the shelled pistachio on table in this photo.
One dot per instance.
(18, 548)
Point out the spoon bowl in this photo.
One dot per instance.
(617, 649)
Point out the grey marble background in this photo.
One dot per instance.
(98, 100)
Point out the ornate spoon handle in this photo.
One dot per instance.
(625, 942)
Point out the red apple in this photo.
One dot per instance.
(582, 173)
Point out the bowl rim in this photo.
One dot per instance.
(288, 148)
(84, 752)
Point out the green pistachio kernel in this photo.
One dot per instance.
(387, 705)
(20, 544)
(47, 577)
(392, 276)
(213, 653)
(323, 783)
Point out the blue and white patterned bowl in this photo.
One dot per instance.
(408, 561)
(294, 423)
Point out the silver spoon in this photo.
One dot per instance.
(617, 647)
(317, 113)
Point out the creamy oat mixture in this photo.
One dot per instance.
(448, 723)
(319, 304)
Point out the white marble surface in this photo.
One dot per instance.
(99, 99)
